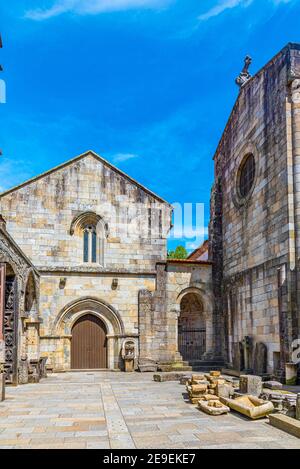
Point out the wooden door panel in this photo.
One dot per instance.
(88, 348)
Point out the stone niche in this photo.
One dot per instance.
(260, 359)
(238, 356)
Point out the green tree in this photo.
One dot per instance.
(179, 253)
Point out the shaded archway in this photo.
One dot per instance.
(89, 343)
(191, 328)
(30, 302)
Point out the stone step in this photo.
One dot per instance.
(170, 368)
(206, 363)
(206, 369)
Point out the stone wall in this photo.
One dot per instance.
(257, 233)
(159, 311)
(55, 297)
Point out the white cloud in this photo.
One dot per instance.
(225, 5)
(121, 157)
(92, 7)
(220, 8)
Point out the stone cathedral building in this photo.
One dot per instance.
(83, 253)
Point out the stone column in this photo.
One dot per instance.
(216, 255)
(145, 325)
(293, 138)
(111, 364)
(33, 339)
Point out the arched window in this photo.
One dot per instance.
(91, 231)
(90, 244)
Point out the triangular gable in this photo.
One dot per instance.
(77, 158)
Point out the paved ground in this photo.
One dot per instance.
(117, 410)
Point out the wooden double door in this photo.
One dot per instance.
(88, 346)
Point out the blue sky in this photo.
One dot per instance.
(148, 84)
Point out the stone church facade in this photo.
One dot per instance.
(98, 242)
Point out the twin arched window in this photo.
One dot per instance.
(92, 231)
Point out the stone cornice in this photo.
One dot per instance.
(61, 270)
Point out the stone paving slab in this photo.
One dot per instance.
(122, 411)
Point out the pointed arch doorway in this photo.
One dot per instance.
(88, 346)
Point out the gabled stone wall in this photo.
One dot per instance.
(40, 214)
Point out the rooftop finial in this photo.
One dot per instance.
(244, 76)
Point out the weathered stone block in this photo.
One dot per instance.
(291, 374)
(164, 377)
(198, 389)
(214, 408)
(224, 390)
(285, 423)
(274, 385)
(251, 385)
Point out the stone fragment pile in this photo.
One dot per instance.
(284, 402)
(206, 391)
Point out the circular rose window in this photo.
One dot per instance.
(246, 175)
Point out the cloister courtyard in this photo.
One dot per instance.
(113, 410)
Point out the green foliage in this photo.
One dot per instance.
(179, 253)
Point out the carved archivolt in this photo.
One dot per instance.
(74, 310)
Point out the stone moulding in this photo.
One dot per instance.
(56, 270)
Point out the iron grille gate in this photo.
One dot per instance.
(191, 343)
